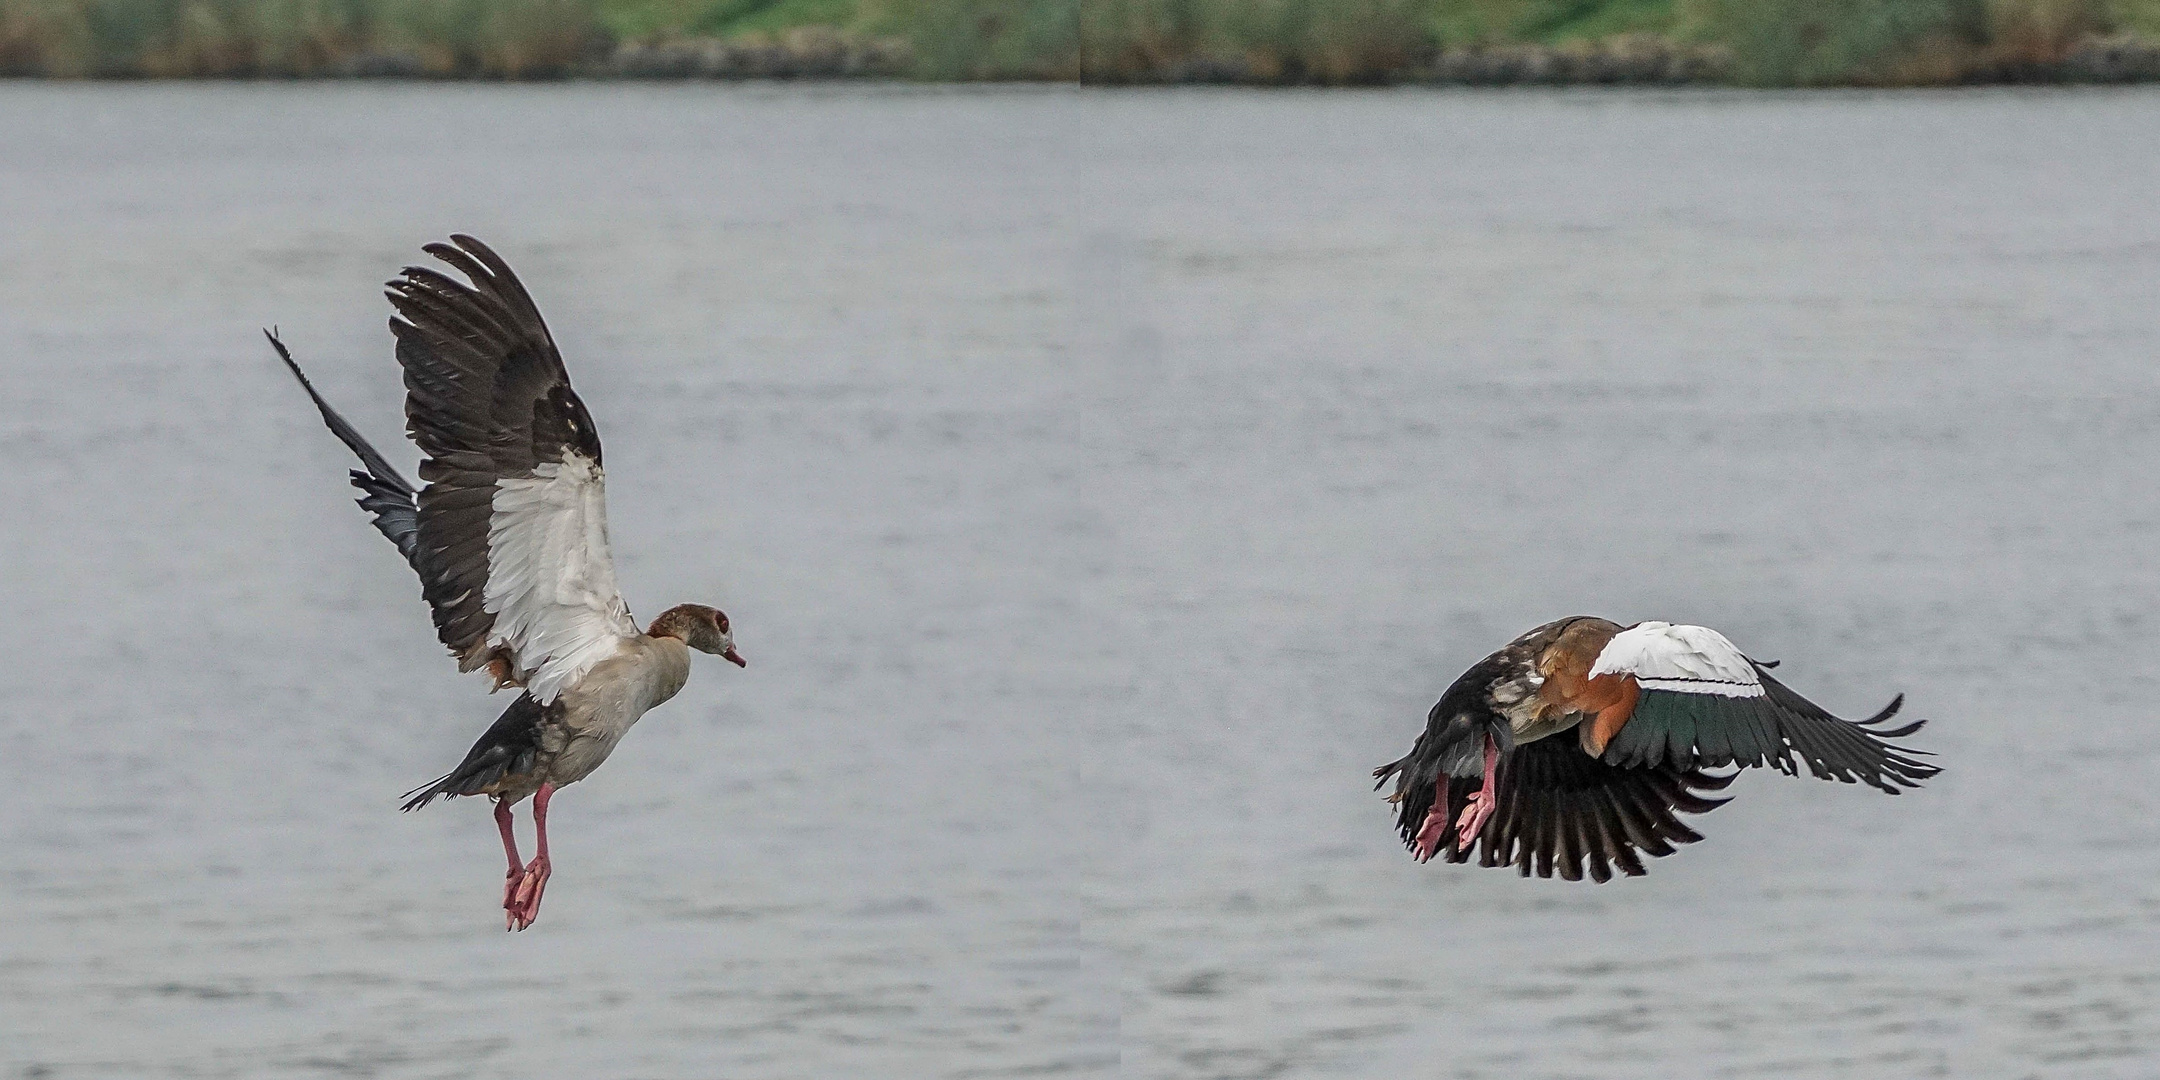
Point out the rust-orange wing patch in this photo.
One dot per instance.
(1616, 696)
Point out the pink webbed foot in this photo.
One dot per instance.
(1428, 834)
(521, 894)
(1481, 805)
(1467, 826)
(1473, 818)
(511, 883)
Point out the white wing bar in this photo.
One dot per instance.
(1687, 659)
(551, 580)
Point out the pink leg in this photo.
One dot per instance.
(524, 906)
(517, 865)
(1473, 815)
(1482, 804)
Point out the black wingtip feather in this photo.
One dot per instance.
(376, 464)
(1693, 729)
(1901, 732)
(385, 494)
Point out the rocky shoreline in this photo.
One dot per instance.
(822, 53)
(1627, 61)
(807, 53)
(815, 53)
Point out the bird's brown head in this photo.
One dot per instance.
(702, 628)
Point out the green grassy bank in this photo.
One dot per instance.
(1757, 42)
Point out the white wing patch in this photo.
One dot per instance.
(1688, 659)
(551, 582)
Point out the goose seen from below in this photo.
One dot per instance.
(1582, 739)
(509, 537)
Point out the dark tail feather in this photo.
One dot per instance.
(510, 746)
(1381, 774)
(429, 792)
(486, 763)
(384, 494)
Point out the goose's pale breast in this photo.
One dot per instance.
(611, 697)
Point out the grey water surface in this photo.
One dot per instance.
(1101, 484)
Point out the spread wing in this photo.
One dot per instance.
(1702, 702)
(1561, 809)
(512, 525)
(385, 495)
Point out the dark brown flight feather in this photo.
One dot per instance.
(487, 398)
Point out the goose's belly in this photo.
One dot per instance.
(581, 753)
(602, 708)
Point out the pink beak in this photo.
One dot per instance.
(735, 658)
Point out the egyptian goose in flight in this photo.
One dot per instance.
(1651, 705)
(510, 540)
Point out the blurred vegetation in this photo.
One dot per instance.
(1778, 43)
(1763, 42)
(126, 38)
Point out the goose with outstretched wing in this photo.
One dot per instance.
(509, 537)
(1582, 740)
